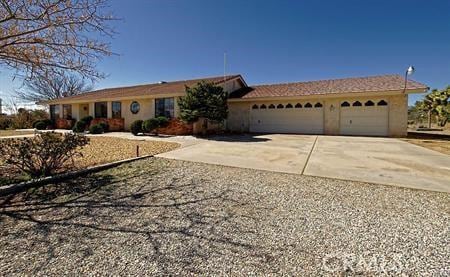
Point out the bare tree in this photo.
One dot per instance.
(39, 37)
(52, 87)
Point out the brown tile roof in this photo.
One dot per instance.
(347, 85)
(142, 90)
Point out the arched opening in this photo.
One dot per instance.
(255, 107)
(318, 105)
(263, 106)
(308, 105)
(357, 104)
(289, 106)
(382, 103)
(298, 105)
(345, 104)
(280, 106)
(271, 106)
(369, 103)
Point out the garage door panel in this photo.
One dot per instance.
(306, 121)
(367, 121)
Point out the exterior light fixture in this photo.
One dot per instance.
(409, 71)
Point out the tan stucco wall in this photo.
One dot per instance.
(239, 117)
(147, 111)
(398, 115)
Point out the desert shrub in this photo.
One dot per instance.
(40, 125)
(162, 121)
(87, 120)
(136, 127)
(96, 129)
(42, 155)
(5, 122)
(150, 125)
(79, 127)
(104, 125)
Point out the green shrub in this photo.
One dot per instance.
(150, 125)
(42, 155)
(136, 127)
(104, 125)
(87, 120)
(79, 127)
(96, 129)
(40, 125)
(162, 121)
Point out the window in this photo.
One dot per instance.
(298, 105)
(369, 103)
(280, 106)
(289, 106)
(263, 106)
(164, 107)
(255, 107)
(318, 105)
(308, 105)
(345, 104)
(101, 110)
(271, 106)
(116, 109)
(357, 104)
(54, 112)
(135, 107)
(382, 103)
(67, 111)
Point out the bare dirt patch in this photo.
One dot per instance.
(437, 143)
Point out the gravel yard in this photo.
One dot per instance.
(100, 150)
(168, 217)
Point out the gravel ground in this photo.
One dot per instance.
(170, 217)
(100, 150)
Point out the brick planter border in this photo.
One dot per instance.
(23, 186)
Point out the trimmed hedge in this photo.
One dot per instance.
(150, 125)
(104, 125)
(96, 129)
(162, 121)
(42, 124)
(136, 127)
(79, 127)
(87, 120)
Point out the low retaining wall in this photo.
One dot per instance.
(176, 127)
(115, 124)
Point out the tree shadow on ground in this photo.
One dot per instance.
(137, 221)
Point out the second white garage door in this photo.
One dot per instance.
(365, 119)
(301, 118)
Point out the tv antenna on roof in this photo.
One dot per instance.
(224, 65)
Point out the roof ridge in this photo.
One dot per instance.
(327, 80)
(231, 76)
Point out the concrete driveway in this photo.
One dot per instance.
(375, 160)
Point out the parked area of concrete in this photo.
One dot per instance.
(387, 161)
(170, 217)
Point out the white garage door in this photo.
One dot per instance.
(365, 118)
(301, 118)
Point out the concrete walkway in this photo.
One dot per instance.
(374, 160)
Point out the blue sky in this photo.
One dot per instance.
(275, 41)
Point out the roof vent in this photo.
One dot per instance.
(162, 82)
